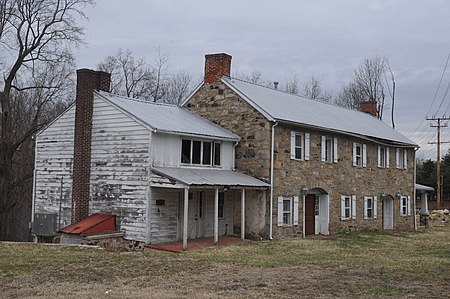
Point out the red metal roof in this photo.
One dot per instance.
(95, 223)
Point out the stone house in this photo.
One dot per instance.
(165, 172)
(330, 169)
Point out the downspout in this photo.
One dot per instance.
(414, 184)
(33, 200)
(272, 151)
(234, 155)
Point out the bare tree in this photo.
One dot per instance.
(178, 87)
(367, 85)
(292, 85)
(254, 77)
(36, 37)
(313, 90)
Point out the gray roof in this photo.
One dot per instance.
(210, 177)
(281, 106)
(168, 118)
(423, 187)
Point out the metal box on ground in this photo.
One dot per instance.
(44, 224)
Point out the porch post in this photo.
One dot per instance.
(185, 217)
(243, 215)
(216, 216)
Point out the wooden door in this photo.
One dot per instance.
(310, 217)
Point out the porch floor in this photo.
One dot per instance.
(196, 244)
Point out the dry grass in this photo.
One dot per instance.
(361, 264)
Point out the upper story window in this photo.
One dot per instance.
(359, 155)
(383, 156)
(402, 158)
(299, 145)
(198, 152)
(329, 149)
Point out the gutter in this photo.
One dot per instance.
(272, 150)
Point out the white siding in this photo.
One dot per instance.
(119, 168)
(164, 219)
(166, 151)
(54, 158)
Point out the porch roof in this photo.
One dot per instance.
(424, 188)
(192, 177)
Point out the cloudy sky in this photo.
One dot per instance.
(282, 39)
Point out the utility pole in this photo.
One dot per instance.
(438, 162)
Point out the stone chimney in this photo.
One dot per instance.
(87, 82)
(216, 66)
(369, 107)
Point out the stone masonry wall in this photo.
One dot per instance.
(340, 178)
(224, 107)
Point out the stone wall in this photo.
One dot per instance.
(340, 178)
(223, 106)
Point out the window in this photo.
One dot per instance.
(370, 207)
(383, 156)
(329, 149)
(287, 211)
(221, 204)
(200, 152)
(216, 154)
(299, 145)
(359, 155)
(405, 206)
(348, 207)
(402, 159)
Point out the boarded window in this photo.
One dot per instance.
(221, 204)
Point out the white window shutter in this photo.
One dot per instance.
(408, 205)
(365, 207)
(364, 155)
(280, 211)
(292, 144)
(342, 207)
(375, 206)
(323, 148)
(307, 146)
(295, 210)
(353, 206)
(354, 154)
(405, 158)
(379, 156)
(387, 157)
(401, 202)
(335, 150)
(397, 157)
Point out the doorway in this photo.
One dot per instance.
(310, 215)
(317, 212)
(196, 210)
(388, 212)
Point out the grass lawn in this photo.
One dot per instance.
(358, 264)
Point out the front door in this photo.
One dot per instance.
(388, 213)
(310, 217)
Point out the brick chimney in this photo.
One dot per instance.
(369, 107)
(216, 66)
(87, 82)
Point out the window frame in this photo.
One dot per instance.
(287, 214)
(213, 160)
(404, 206)
(370, 204)
(401, 158)
(351, 208)
(304, 146)
(383, 156)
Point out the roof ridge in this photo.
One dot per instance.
(293, 94)
(136, 100)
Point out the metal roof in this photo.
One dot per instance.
(95, 223)
(168, 118)
(210, 177)
(276, 105)
(423, 187)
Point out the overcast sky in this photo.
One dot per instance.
(327, 39)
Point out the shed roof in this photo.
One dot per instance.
(210, 177)
(168, 118)
(276, 105)
(423, 188)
